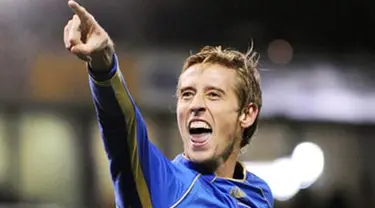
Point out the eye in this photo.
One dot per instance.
(186, 94)
(213, 95)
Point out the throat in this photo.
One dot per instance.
(232, 172)
(231, 168)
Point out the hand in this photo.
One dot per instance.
(85, 38)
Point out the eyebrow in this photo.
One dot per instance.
(208, 88)
(186, 88)
(215, 88)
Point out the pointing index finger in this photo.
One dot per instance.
(79, 10)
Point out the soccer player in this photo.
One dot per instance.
(218, 101)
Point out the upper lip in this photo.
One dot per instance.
(198, 119)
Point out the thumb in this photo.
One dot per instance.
(96, 43)
(82, 49)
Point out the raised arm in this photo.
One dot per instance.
(142, 176)
(139, 171)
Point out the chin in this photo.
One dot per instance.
(200, 157)
(205, 160)
(203, 157)
(200, 154)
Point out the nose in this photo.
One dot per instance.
(198, 105)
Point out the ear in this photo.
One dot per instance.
(248, 115)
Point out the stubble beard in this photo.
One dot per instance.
(211, 164)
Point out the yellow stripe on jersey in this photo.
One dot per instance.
(128, 110)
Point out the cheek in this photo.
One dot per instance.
(227, 123)
(181, 115)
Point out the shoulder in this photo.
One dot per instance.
(262, 185)
(183, 168)
(188, 180)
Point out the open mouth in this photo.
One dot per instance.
(200, 132)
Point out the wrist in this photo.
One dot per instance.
(103, 74)
(102, 61)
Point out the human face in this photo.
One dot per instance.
(207, 113)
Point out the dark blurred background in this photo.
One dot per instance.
(315, 144)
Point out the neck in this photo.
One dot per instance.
(227, 168)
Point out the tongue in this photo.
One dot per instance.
(200, 138)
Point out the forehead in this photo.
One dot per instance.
(208, 74)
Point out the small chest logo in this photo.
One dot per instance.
(237, 193)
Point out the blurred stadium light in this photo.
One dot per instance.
(287, 175)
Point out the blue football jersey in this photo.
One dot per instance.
(143, 177)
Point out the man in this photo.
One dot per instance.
(217, 109)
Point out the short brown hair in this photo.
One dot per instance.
(248, 89)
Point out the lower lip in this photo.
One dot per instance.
(205, 137)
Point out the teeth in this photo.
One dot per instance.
(199, 124)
